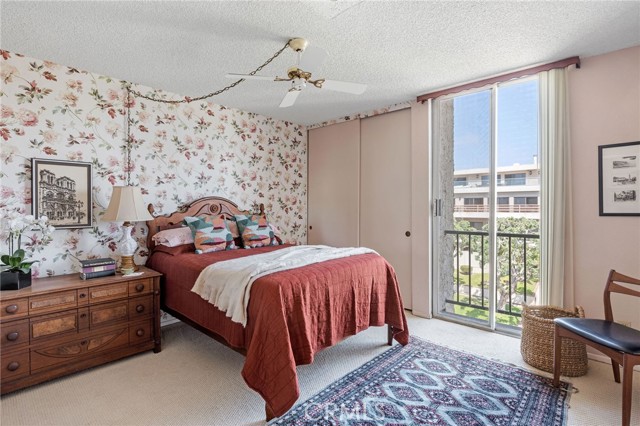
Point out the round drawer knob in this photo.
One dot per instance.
(140, 309)
(139, 287)
(84, 342)
(83, 315)
(13, 336)
(13, 366)
(140, 332)
(82, 295)
(11, 309)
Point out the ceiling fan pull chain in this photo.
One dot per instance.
(217, 92)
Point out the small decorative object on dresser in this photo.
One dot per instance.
(16, 268)
(61, 325)
(95, 268)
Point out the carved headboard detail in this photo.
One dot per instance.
(206, 206)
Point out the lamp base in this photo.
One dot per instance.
(127, 264)
(128, 245)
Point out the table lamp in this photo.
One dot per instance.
(126, 205)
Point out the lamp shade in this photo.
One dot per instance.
(126, 205)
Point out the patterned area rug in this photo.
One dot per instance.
(426, 384)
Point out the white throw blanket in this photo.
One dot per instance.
(227, 284)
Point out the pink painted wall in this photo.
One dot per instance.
(604, 109)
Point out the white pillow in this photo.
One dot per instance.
(174, 237)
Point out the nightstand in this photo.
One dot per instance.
(63, 324)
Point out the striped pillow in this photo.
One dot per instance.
(255, 231)
(210, 233)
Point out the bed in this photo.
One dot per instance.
(291, 315)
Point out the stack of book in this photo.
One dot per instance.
(94, 268)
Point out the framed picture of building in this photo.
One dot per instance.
(618, 171)
(61, 190)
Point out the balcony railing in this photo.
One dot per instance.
(517, 266)
(500, 208)
(480, 183)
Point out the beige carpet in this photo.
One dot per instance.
(196, 381)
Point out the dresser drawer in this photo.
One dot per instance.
(108, 313)
(15, 333)
(140, 332)
(140, 307)
(14, 365)
(54, 324)
(53, 302)
(17, 308)
(139, 287)
(83, 296)
(70, 351)
(104, 293)
(62, 324)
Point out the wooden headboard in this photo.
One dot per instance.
(206, 206)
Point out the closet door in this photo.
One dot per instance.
(385, 192)
(333, 185)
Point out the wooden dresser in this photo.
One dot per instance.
(63, 324)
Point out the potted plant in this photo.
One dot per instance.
(16, 269)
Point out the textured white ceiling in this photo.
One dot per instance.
(400, 49)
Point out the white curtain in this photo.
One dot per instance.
(557, 224)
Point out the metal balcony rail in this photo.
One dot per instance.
(475, 183)
(463, 240)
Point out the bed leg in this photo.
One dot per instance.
(389, 335)
(268, 412)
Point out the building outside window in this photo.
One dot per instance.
(460, 181)
(515, 179)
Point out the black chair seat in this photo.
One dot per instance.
(613, 335)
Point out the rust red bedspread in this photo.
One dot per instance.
(291, 315)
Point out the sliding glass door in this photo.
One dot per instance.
(487, 212)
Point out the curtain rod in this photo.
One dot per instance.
(574, 60)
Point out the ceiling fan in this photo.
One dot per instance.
(310, 59)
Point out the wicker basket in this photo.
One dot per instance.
(536, 345)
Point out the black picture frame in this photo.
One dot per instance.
(62, 191)
(618, 179)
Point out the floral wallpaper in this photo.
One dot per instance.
(180, 152)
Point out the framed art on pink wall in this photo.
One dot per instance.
(618, 171)
(61, 190)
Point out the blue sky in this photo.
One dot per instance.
(517, 126)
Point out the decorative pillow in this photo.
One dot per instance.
(276, 233)
(174, 237)
(255, 231)
(210, 233)
(233, 228)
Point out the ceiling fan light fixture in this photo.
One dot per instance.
(298, 44)
(298, 84)
(310, 59)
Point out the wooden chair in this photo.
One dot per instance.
(619, 342)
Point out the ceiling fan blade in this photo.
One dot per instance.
(344, 86)
(290, 98)
(312, 59)
(251, 77)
